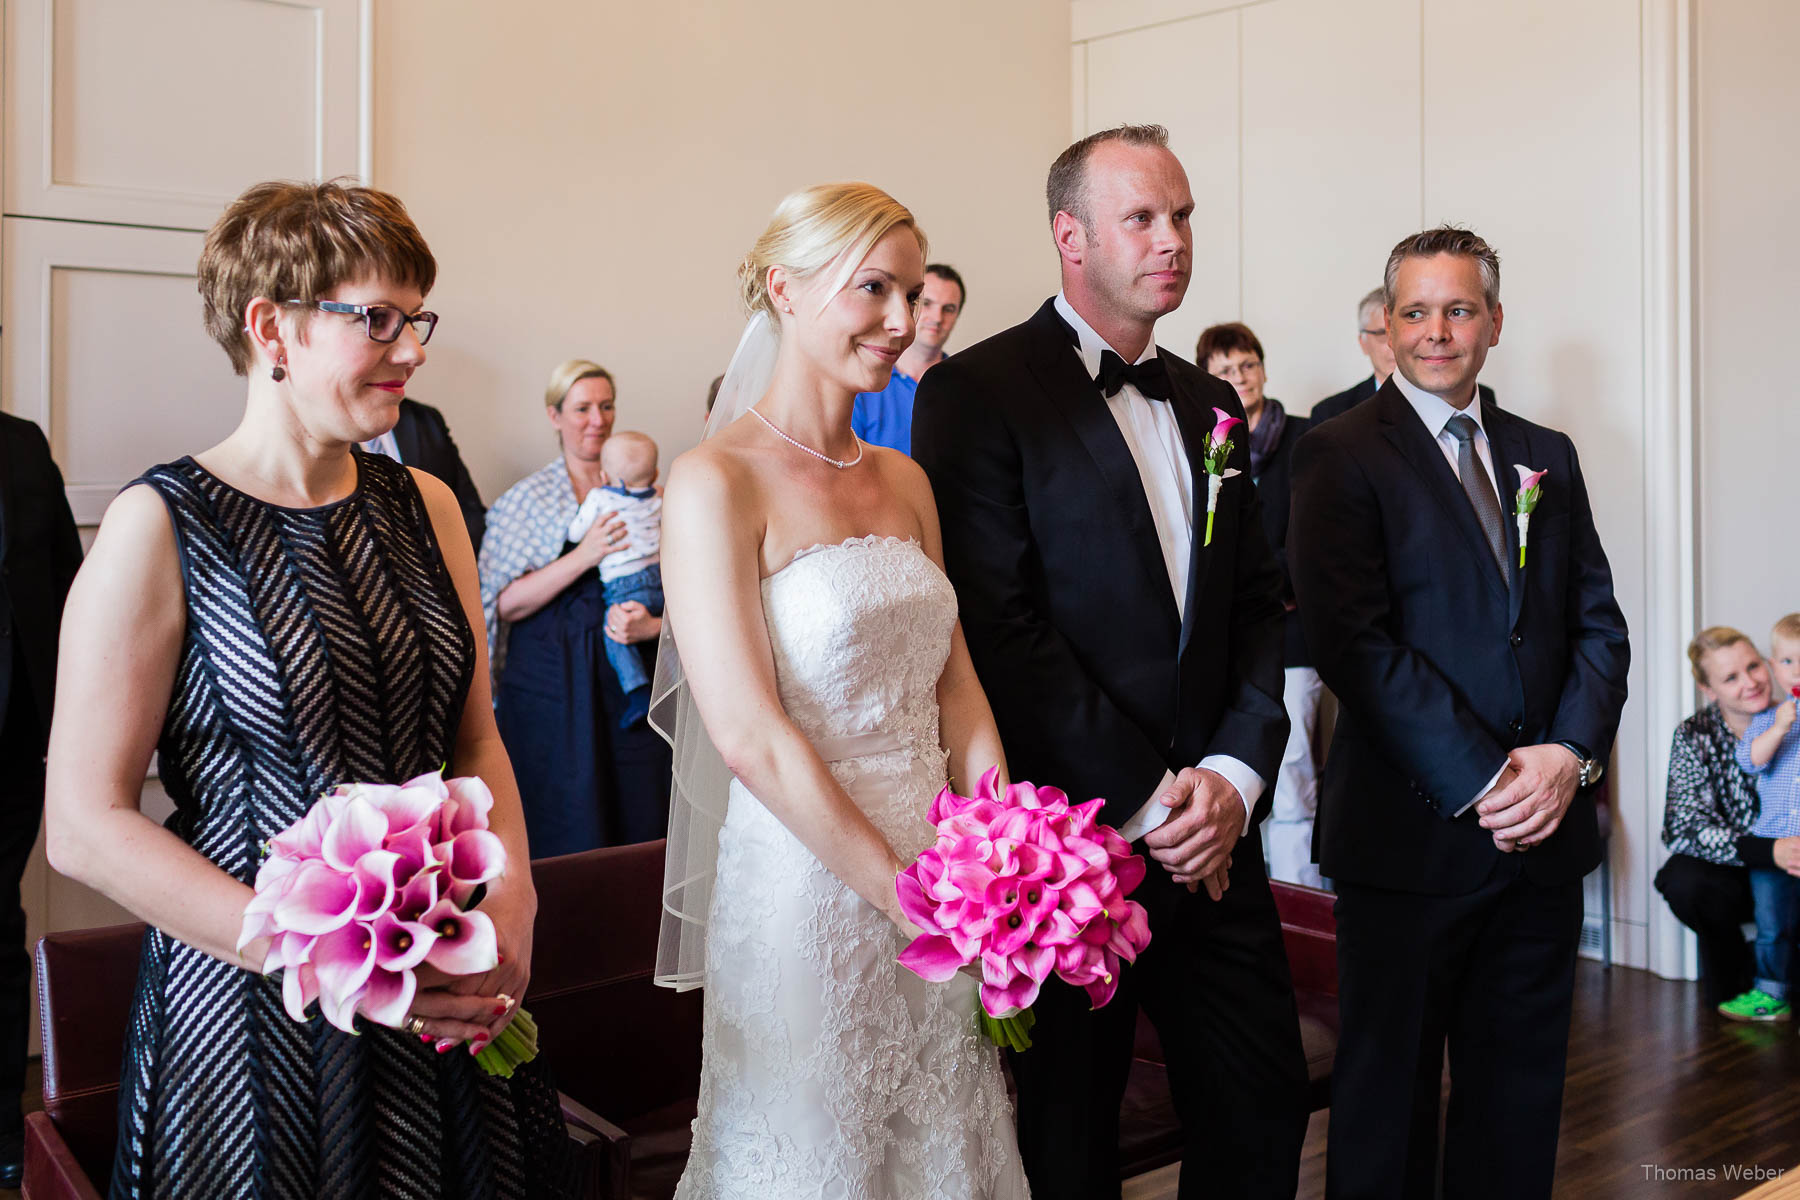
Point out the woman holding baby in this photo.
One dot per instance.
(591, 771)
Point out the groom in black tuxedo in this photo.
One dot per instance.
(1479, 687)
(1127, 658)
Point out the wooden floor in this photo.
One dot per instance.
(1655, 1081)
(1661, 1091)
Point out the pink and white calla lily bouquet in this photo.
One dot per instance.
(373, 881)
(1215, 452)
(1025, 884)
(1526, 501)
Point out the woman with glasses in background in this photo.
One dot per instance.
(1233, 353)
(274, 616)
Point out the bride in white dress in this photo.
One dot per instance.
(802, 572)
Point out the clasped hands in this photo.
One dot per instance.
(1527, 802)
(1194, 845)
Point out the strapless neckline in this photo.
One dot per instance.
(862, 541)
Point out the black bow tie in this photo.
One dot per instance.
(1149, 377)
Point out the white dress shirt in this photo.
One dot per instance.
(1436, 412)
(383, 444)
(1154, 440)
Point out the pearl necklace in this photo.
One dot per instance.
(839, 463)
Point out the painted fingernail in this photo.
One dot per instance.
(478, 1045)
(499, 958)
(424, 1037)
(444, 1044)
(500, 1010)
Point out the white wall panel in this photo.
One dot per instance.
(1185, 76)
(1356, 122)
(1557, 187)
(104, 349)
(1331, 178)
(1747, 193)
(158, 114)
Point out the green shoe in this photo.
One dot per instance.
(1756, 1005)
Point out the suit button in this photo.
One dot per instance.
(1517, 639)
(1515, 726)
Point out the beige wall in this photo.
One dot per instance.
(1747, 197)
(589, 176)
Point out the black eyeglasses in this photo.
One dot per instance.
(382, 322)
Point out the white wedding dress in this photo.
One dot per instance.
(829, 1070)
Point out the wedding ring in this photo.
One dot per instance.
(505, 999)
(414, 1025)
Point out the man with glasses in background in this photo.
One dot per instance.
(1372, 339)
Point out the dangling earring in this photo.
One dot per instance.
(279, 373)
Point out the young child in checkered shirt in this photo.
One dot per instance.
(1770, 750)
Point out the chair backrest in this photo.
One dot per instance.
(616, 1042)
(1309, 934)
(85, 980)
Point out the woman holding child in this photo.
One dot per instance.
(1712, 806)
(591, 771)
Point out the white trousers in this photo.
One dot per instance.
(1287, 833)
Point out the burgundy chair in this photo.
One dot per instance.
(626, 1053)
(1149, 1130)
(85, 980)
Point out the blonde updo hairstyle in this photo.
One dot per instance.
(816, 227)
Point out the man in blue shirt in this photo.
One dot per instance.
(884, 418)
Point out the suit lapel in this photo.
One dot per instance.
(1402, 427)
(1057, 364)
(1507, 440)
(1195, 422)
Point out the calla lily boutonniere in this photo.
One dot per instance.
(1530, 492)
(1214, 453)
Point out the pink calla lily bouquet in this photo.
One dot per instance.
(373, 881)
(1215, 452)
(1025, 884)
(1531, 490)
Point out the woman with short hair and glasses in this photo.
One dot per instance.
(271, 617)
(1234, 353)
(589, 774)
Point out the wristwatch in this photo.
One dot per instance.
(1591, 768)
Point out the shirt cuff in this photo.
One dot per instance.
(1248, 783)
(1153, 812)
(1484, 791)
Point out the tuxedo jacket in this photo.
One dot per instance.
(423, 437)
(40, 552)
(1097, 683)
(1441, 665)
(1274, 490)
(1350, 397)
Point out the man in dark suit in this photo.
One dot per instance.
(39, 554)
(1372, 340)
(422, 439)
(1126, 657)
(1479, 662)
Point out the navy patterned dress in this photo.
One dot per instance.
(323, 645)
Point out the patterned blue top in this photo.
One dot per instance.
(884, 418)
(1778, 782)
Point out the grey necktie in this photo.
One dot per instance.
(1479, 487)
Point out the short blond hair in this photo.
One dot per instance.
(297, 241)
(1714, 637)
(816, 227)
(1788, 629)
(570, 372)
(629, 456)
